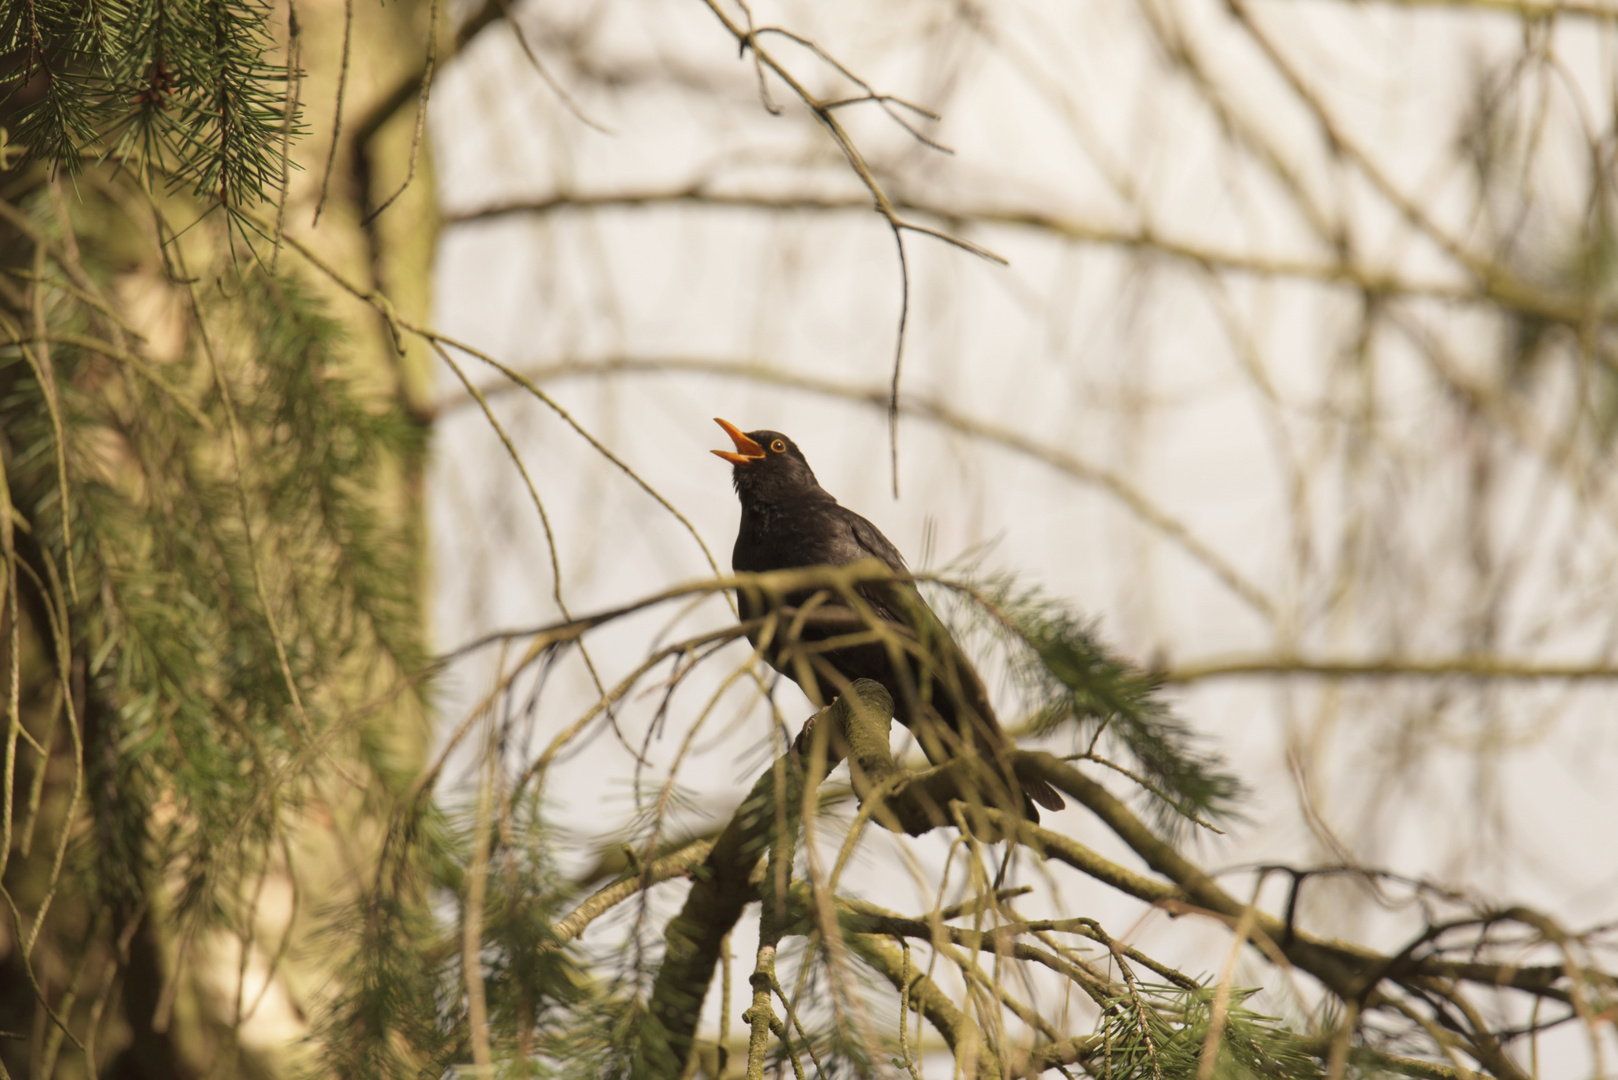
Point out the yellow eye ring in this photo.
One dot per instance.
(778, 446)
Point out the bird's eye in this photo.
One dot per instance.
(778, 446)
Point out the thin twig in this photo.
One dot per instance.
(544, 73)
(824, 111)
(294, 84)
(472, 917)
(421, 116)
(337, 117)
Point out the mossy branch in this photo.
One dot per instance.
(725, 883)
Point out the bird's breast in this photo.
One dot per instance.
(774, 537)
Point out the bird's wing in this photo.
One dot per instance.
(871, 540)
(900, 602)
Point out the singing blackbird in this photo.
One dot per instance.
(790, 521)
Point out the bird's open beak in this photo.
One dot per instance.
(747, 451)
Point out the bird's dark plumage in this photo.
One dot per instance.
(789, 521)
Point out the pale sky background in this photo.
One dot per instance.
(1330, 471)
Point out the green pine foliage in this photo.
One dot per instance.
(533, 986)
(220, 602)
(395, 1010)
(322, 449)
(189, 90)
(1111, 708)
(401, 983)
(1155, 1032)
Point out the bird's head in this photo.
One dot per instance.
(767, 464)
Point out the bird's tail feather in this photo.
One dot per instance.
(1036, 790)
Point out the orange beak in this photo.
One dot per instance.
(747, 451)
